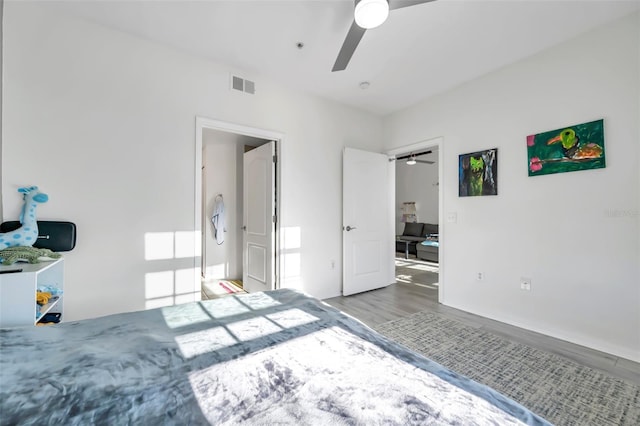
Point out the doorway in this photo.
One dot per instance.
(419, 204)
(221, 216)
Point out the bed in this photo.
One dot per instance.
(276, 357)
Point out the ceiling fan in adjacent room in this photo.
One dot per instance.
(411, 158)
(367, 14)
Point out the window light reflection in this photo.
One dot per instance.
(253, 328)
(181, 315)
(205, 341)
(225, 307)
(257, 301)
(292, 318)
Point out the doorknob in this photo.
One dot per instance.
(349, 228)
(244, 228)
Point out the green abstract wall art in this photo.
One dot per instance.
(571, 148)
(478, 173)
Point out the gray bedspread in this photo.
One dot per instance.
(272, 358)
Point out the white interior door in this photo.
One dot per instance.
(258, 218)
(367, 222)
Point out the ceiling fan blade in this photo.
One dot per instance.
(348, 47)
(398, 4)
(425, 161)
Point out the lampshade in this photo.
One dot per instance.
(412, 160)
(371, 13)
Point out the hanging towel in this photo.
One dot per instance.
(218, 219)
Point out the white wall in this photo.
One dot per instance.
(418, 183)
(574, 234)
(105, 123)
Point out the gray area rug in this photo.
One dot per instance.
(556, 388)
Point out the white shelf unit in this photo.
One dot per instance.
(18, 291)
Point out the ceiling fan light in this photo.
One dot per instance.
(371, 13)
(411, 161)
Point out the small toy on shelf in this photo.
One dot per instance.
(12, 255)
(27, 234)
(42, 297)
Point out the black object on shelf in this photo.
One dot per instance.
(50, 317)
(53, 235)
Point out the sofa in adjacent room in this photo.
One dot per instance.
(413, 235)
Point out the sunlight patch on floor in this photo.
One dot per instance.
(426, 268)
(417, 272)
(417, 264)
(408, 279)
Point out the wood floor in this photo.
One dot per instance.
(416, 290)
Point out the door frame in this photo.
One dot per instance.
(239, 129)
(419, 146)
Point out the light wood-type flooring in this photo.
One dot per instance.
(416, 289)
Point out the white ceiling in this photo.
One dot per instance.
(418, 52)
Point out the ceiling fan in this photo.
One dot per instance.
(411, 158)
(367, 14)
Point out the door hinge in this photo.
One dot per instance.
(275, 158)
(275, 219)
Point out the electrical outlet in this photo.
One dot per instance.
(479, 276)
(525, 284)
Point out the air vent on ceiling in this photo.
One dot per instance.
(249, 87)
(242, 85)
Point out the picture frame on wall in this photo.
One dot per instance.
(568, 149)
(478, 173)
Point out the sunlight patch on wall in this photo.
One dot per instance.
(218, 272)
(158, 303)
(171, 245)
(158, 245)
(291, 242)
(290, 238)
(291, 277)
(168, 288)
(185, 298)
(186, 244)
(187, 280)
(158, 284)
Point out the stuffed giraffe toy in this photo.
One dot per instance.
(27, 234)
